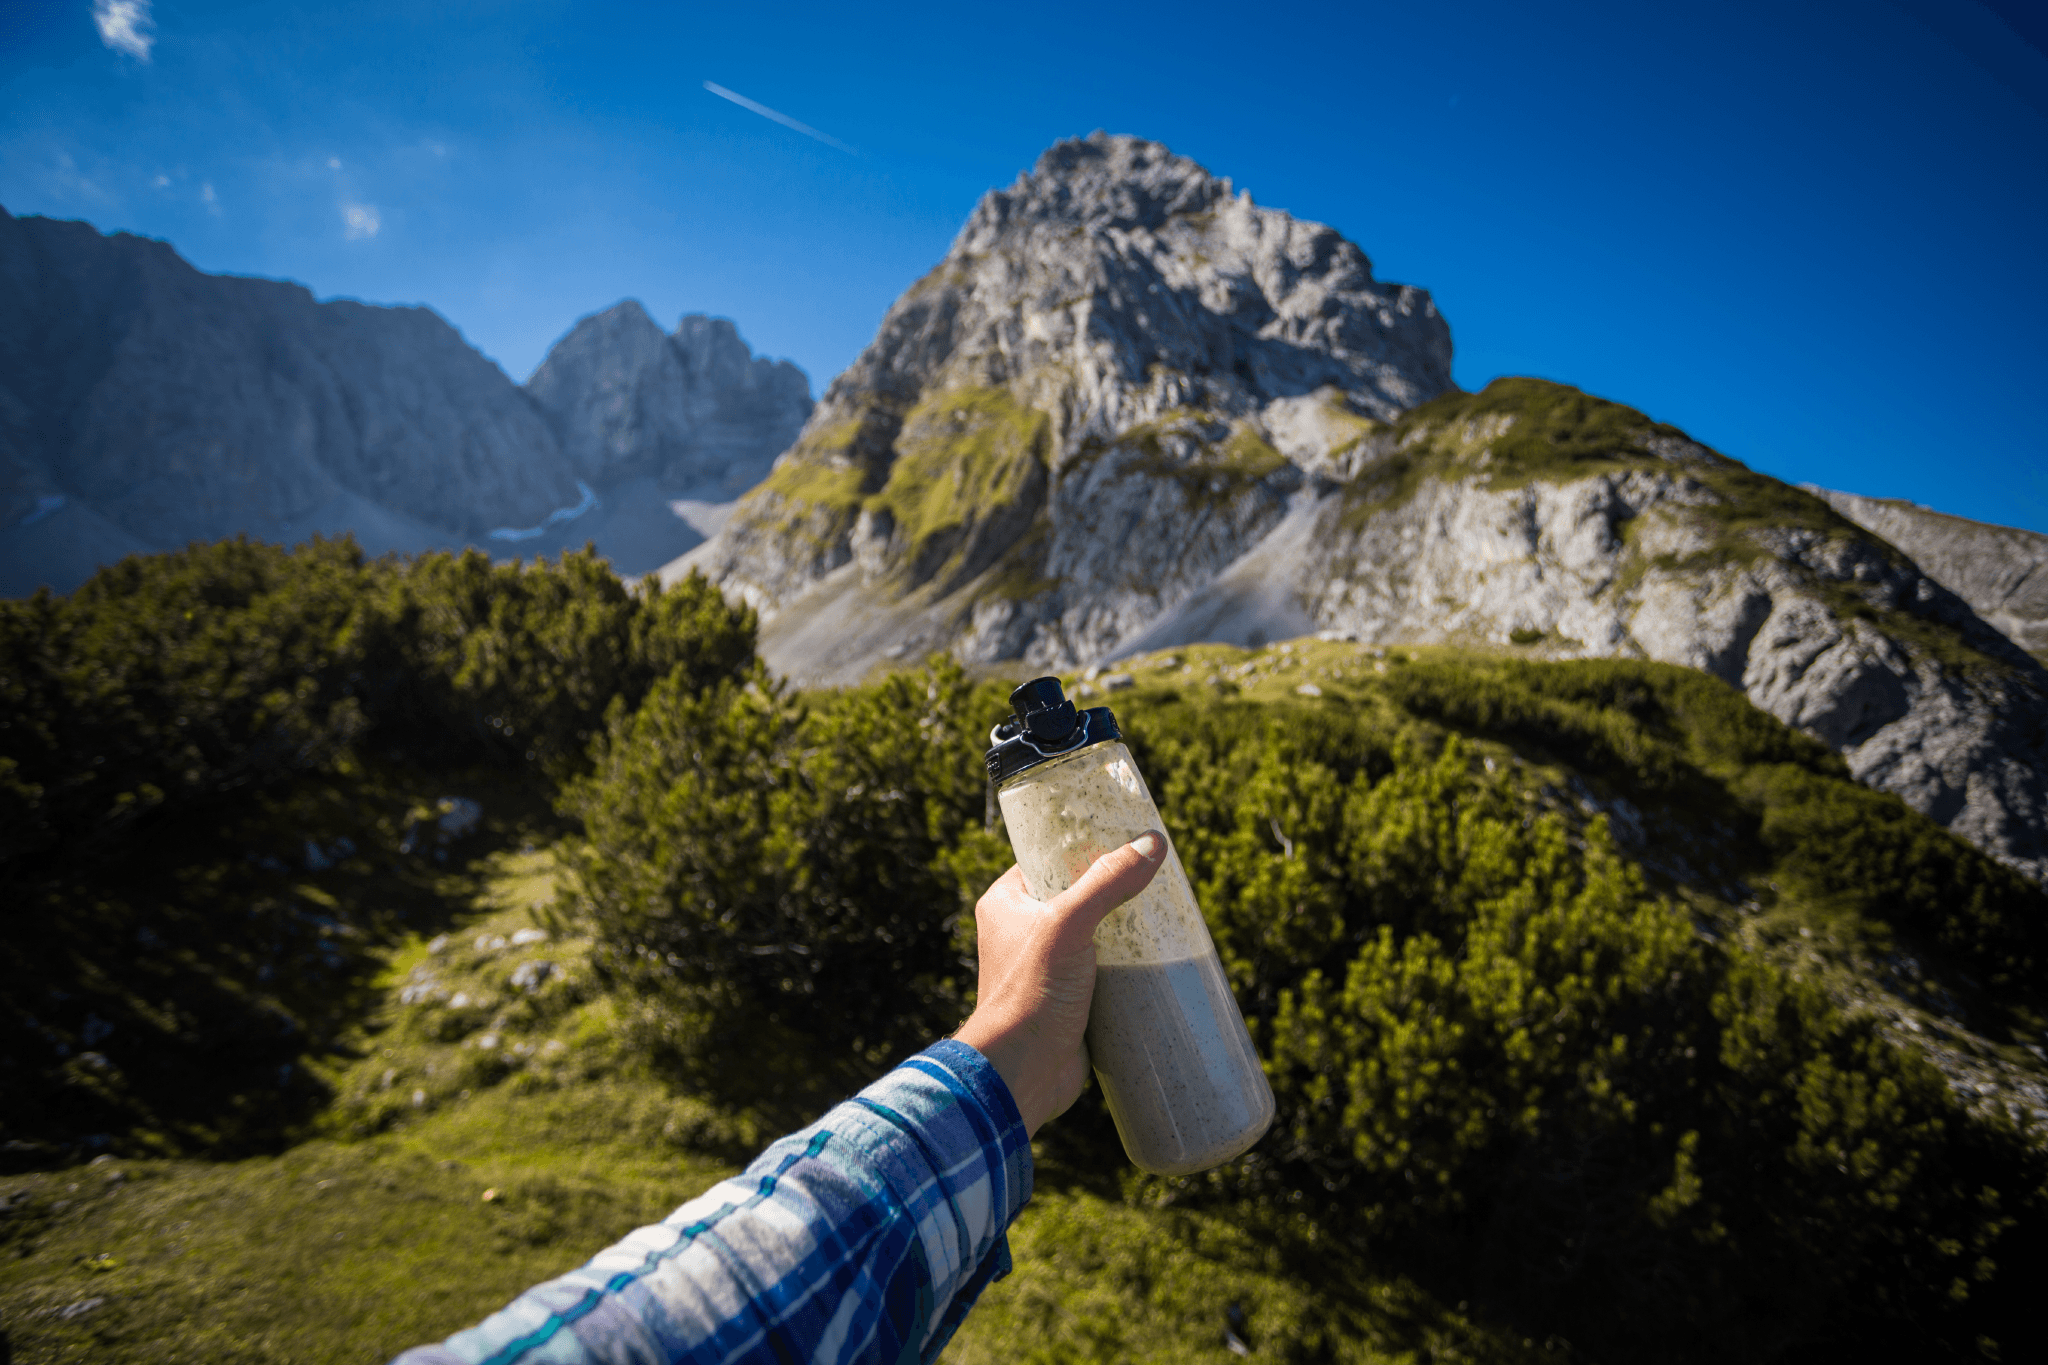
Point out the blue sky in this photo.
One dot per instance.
(1809, 233)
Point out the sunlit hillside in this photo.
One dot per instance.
(388, 936)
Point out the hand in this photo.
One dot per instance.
(1037, 976)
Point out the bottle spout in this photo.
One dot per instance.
(1045, 725)
(1044, 712)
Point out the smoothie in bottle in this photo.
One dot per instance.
(1164, 1035)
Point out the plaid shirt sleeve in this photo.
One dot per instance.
(865, 1237)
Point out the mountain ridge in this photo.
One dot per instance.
(2001, 571)
(144, 404)
(1130, 410)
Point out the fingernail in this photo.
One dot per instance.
(1149, 846)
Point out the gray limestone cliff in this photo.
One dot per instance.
(144, 404)
(1131, 409)
(2001, 571)
(695, 411)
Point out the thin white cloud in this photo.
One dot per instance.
(161, 182)
(210, 199)
(70, 183)
(359, 221)
(333, 163)
(785, 120)
(125, 26)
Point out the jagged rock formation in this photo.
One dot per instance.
(2001, 571)
(1131, 409)
(144, 404)
(696, 411)
(668, 427)
(1083, 317)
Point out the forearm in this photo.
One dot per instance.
(864, 1236)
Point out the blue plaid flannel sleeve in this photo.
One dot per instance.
(865, 1237)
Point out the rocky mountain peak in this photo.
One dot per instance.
(144, 404)
(1096, 183)
(1117, 282)
(1116, 298)
(714, 353)
(695, 412)
(1131, 409)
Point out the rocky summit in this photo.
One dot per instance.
(144, 404)
(1132, 409)
(691, 417)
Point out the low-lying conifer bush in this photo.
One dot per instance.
(1503, 1057)
(220, 782)
(1489, 921)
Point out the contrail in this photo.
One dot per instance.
(785, 120)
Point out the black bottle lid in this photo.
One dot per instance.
(1045, 725)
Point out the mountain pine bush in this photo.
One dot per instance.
(782, 882)
(1481, 915)
(219, 774)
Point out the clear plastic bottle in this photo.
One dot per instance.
(1164, 1035)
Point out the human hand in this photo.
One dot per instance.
(1037, 976)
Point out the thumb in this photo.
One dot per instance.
(1110, 880)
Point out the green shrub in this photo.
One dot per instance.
(1775, 806)
(1502, 1058)
(781, 878)
(219, 775)
(1515, 1053)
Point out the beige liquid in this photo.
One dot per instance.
(1174, 1059)
(1165, 1037)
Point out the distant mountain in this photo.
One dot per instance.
(144, 404)
(1130, 410)
(2001, 571)
(691, 418)
(696, 412)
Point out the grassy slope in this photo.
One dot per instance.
(353, 1245)
(350, 1250)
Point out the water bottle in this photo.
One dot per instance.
(1165, 1037)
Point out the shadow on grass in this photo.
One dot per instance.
(176, 1000)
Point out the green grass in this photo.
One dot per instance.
(1511, 433)
(378, 1236)
(1100, 1280)
(1212, 465)
(331, 1251)
(353, 1247)
(816, 483)
(964, 456)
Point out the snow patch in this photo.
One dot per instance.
(555, 518)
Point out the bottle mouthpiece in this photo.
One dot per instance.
(1045, 724)
(1045, 712)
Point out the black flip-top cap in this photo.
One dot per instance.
(1045, 725)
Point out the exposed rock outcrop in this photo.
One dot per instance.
(1131, 409)
(1115, 291)
(695, 411)
(147, 404)
(144, 404)
(2001, 571)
